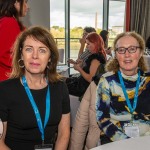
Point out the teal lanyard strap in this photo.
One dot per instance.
(132, 109)
(35, 108)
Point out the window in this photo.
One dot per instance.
(57, 23)
(116, 19)
(84, 13)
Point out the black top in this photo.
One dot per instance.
(15, 108)
(78, 85)
(148, 43)
(88, 62)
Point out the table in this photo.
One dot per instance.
(139, 143)
(63, 70)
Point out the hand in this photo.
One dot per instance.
(71, 61)
(77, 67)
(84, 35)
(82, 41)
(80, 62)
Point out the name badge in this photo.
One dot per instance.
(43, 147)
(131, 130)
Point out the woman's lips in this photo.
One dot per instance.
(128, 61)
(35, 64)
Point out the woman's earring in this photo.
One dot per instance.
(48, 65)
(21, 63)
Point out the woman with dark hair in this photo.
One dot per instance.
(10, 27)
(104, 35)
(34, 102)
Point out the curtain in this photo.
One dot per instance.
(127, 16)
(140, 17)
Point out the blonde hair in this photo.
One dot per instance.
(44, 36)
(113, 64)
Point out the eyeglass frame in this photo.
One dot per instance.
(127, 49)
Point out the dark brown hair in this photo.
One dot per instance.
(7, 9)
(44, 36)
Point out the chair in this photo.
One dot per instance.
(61, 55)
(74, 105)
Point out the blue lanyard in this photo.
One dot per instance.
(35, 108)
(126, 95)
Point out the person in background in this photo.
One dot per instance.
(147, 49)
(148, 43)
(84, 53)
(34, 103)
(78, 85)
(10, 27)
(122, 99)
(105, 35)
(86, 30)
(108, 51)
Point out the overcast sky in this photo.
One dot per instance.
(83, 12)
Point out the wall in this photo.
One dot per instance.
(39, 13)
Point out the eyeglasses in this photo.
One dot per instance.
(131, 49)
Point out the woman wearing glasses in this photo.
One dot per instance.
(122, 99)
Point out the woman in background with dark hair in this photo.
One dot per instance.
(10, 27)
(104, 35)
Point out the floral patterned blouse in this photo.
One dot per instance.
(112, 111)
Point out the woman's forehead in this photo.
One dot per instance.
(127, 40)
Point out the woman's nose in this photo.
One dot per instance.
(35, 54)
